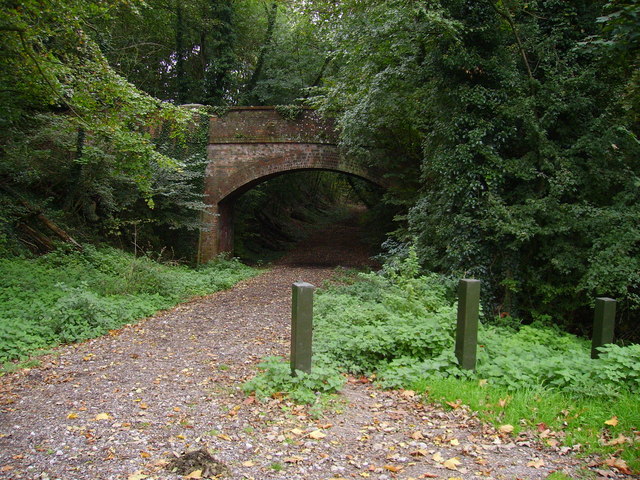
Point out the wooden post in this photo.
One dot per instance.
(301, 326)
(603, 324)
(467, 329)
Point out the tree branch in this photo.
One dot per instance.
(507, 16)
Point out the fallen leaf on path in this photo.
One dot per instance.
(195, 474)
(137, 476)
(419, 453)
(437, 457)
(224, 436)
(417, 435)
(248, 463)
(408, 393)
(506, 428)
(537, 463)
(72, 415)
(455, 405)
(317, 435)
(452, 463)
(293, 459)
(393, 468)
(102, 416)
(619, 464)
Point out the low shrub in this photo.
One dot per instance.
(67, 296)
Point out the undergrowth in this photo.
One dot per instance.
(399, 327)
(67, 296)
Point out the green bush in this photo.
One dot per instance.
(275, 377)
(67, 296)
(401, 326)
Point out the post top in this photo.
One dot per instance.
(470, 280)
(303, 285)
(605, 299)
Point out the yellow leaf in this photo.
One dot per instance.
(195, 474)
(417, 435)
(437, 457)
(613, 421)
(297, 431)
(506, 428)
(181, 437)
(72, 415)
(145, 454)
(317, 435)
(365, 474)
(452, 463)
(408, 393)
(419, 453)
(537, 463)
(103, 416)
(137, 476)
(483, 383)
(224, 436)
(248, 463)
(455, 442)
(393, 468)
(144, 406)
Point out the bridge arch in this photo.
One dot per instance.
(249, 145)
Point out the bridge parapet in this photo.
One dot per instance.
(271, 125)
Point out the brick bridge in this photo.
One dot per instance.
(249, 145)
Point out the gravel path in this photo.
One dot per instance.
(130, 404)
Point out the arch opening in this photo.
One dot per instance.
(283, 215)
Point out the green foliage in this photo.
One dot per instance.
(400, 326)
(514, 144)
(275, 377)
(290, 112)
(69, 296)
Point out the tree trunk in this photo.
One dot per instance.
(266, 46)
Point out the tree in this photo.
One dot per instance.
(520, 133)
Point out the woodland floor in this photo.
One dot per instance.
(124, 405)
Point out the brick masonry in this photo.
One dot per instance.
(249, 145)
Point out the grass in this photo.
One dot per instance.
(69, 296)
(550, 416)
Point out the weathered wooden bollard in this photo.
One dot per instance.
(301, 326)
(604, 320)
(467, 329)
